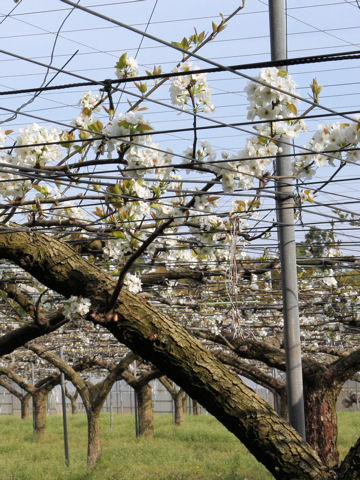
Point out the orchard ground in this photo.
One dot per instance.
(199, 449)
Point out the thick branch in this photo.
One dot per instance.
(157, 338)
(346, 367)
(68, 371)
(252, 373)
(17, 338)
(28, 387)
(4, 383)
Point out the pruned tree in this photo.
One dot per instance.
(177, 395)
(93, 395)
(160, 340)
(24, 398)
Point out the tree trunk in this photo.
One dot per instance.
(145, 411)
(184, 403)
(73, 405)
(196, 408)
(284, 411)
(94, 444)
(25, 406)
(39, 412)
(321, 422)
(179, 409)
(158, 338)
(350, 467)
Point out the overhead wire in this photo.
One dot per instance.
(131, 93)
(271, 63)
(197, 56)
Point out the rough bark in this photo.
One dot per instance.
(177, 396)
(143, 394)
(284, 410)
(17, 338)
(322, 385)
(73, 399)
(145, 410)
(25, 406)
(321, 420)
(350, 467)
(73, 405)
(196, 408)
(184, 403)
(179, 408)
(39, 412)
(157, 338)
(94, 444)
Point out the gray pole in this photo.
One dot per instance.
(137, 430)
(111, 411)
(32, 398)
(63, 398)
(287, 245)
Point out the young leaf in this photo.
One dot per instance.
(292, 108)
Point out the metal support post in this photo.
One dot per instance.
(287, 244)
(32, 398)
(111, 410)
(63, 398)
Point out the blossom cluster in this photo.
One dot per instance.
(339, 139)
(133, 283)
(76, 307)
(38, 145)
(90, 104)
(271, 97)
(193, 87)
(125, 128)
(126, 67)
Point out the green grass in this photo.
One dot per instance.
(200, 449)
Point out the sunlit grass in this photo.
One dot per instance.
(349, 431)
(200, 449)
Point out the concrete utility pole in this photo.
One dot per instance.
(287, 244)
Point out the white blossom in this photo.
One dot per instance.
(76, 307)
(126, 67)
(182, 88)
(133, 283)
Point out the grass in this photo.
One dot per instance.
(201, 449)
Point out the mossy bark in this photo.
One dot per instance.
(159, 339)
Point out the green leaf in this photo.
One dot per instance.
(142, 86)
(96, 126)
(282, 73)
(118, 235)
(122, 62)
(292, 108)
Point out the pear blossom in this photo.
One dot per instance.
(76, 307)
(182, 88)
(133, 283)
(48, 149)
(126, 67)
